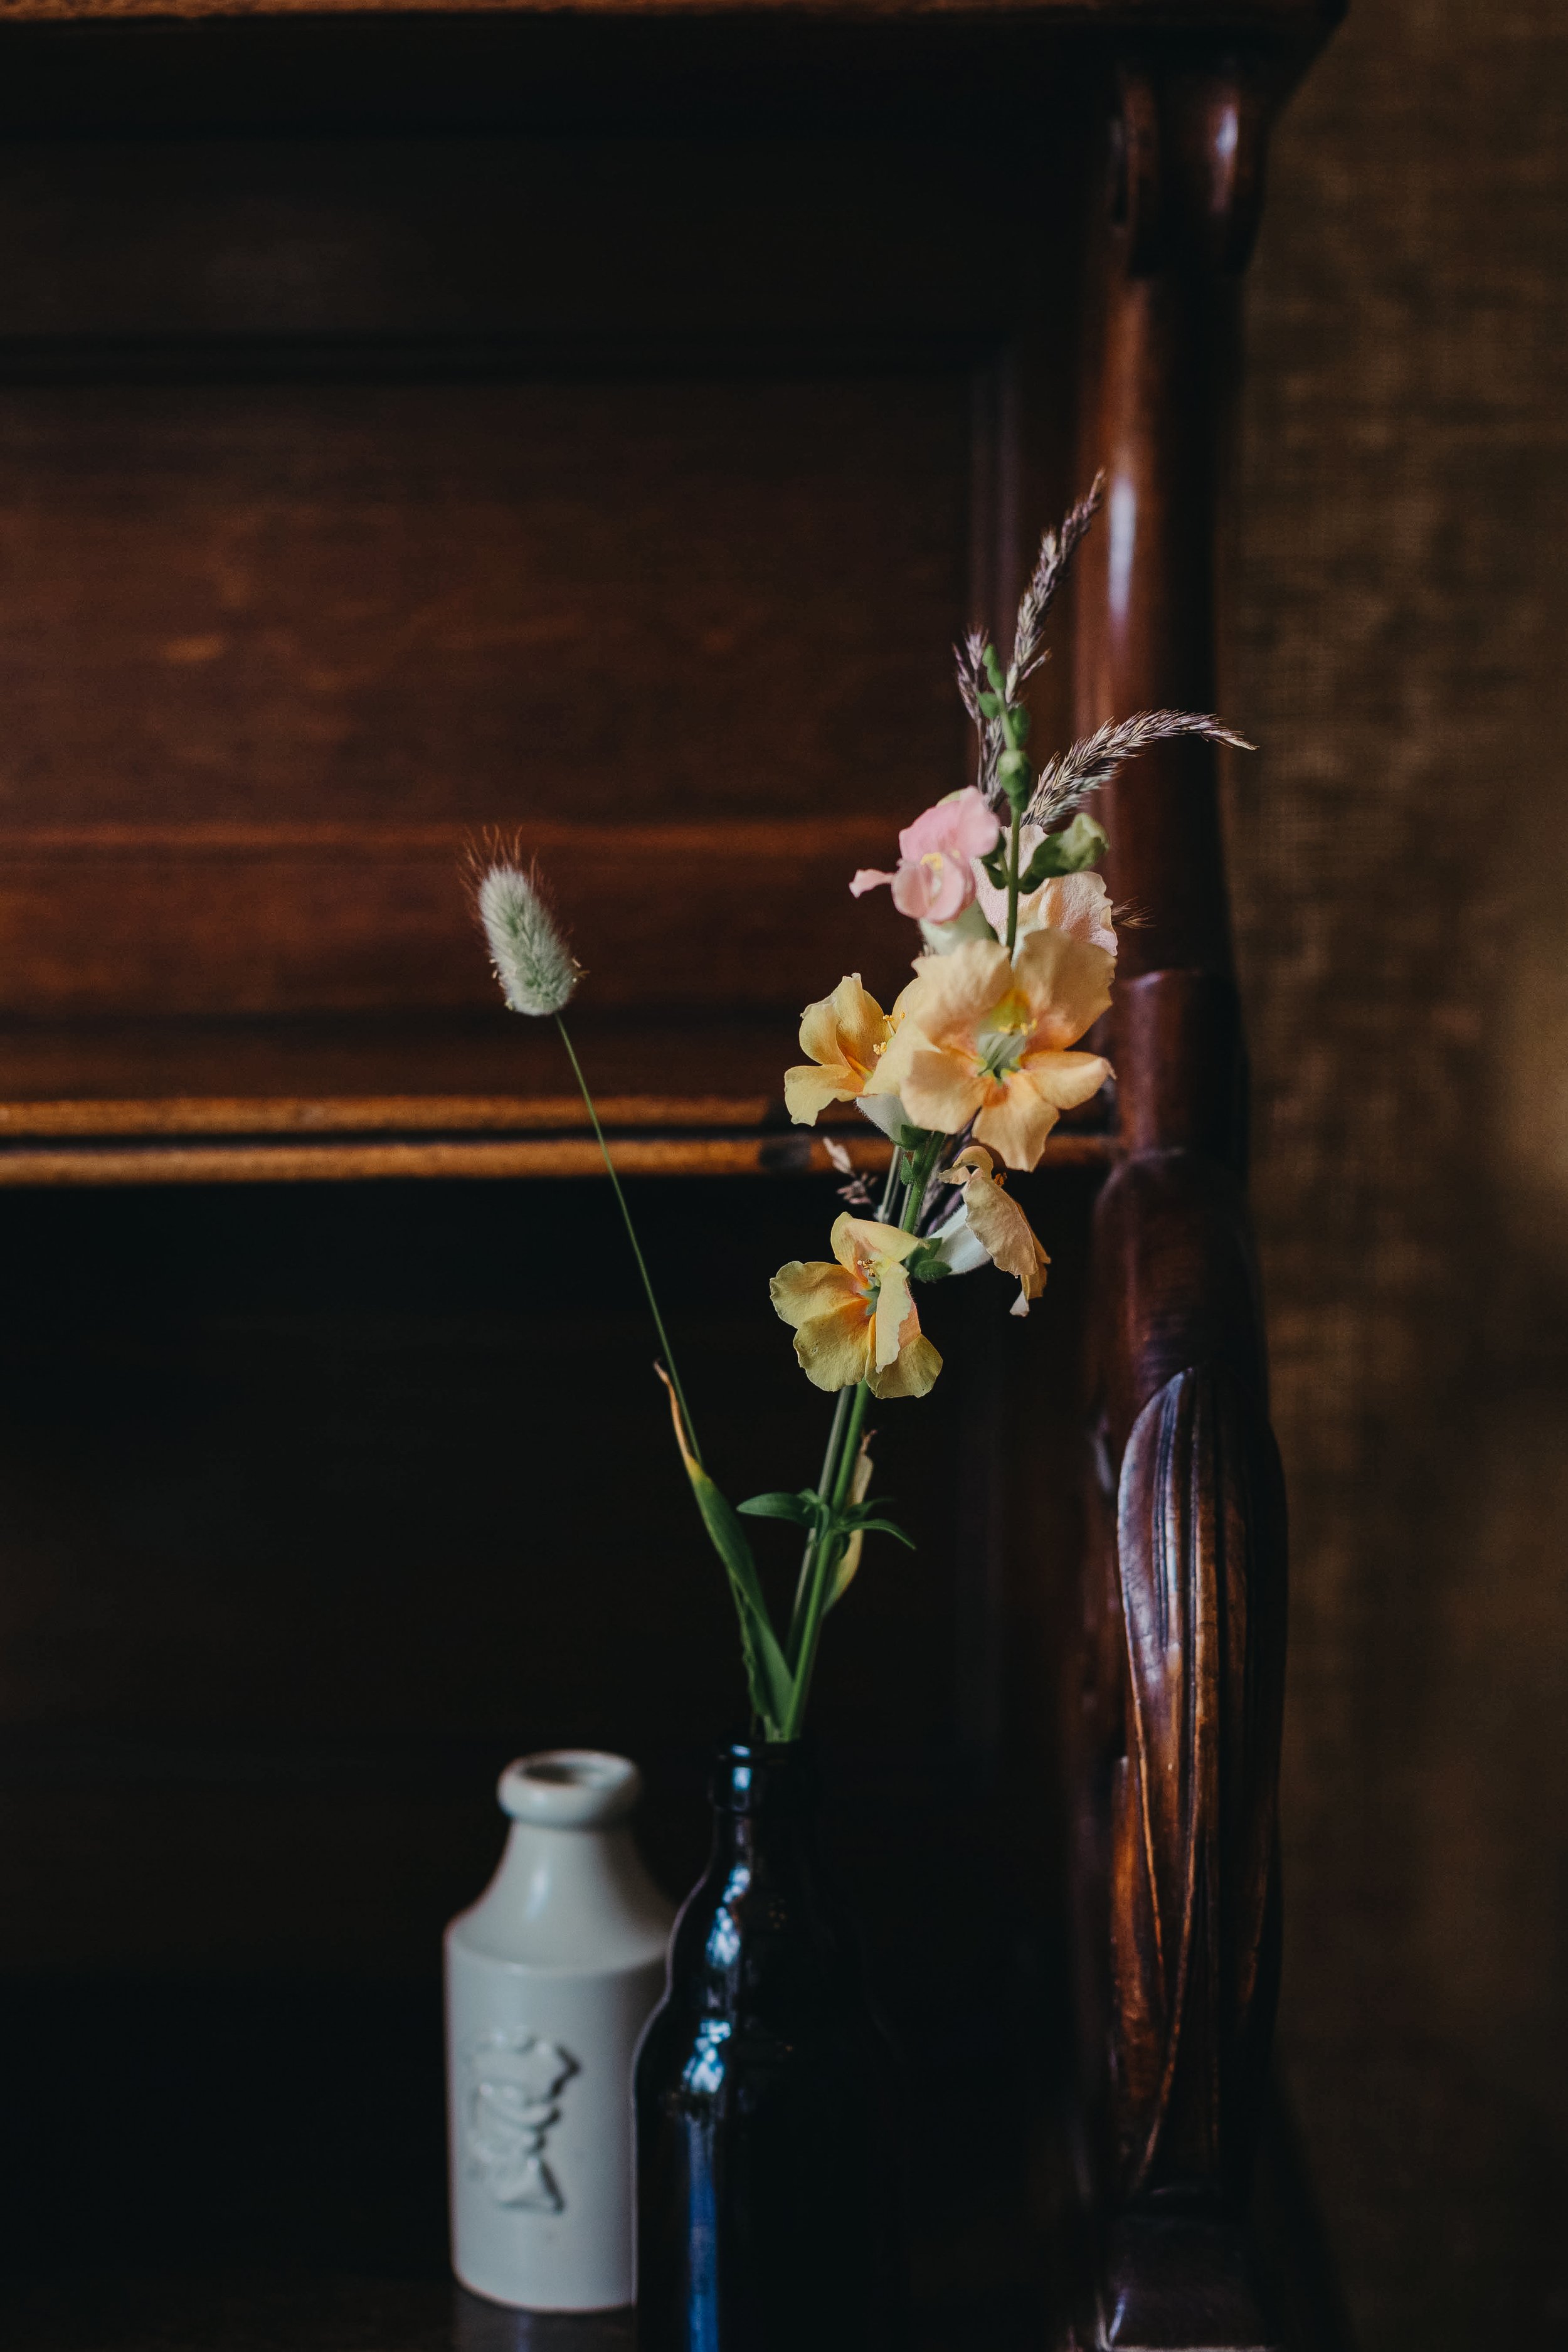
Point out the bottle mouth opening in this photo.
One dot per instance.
(570, 1787)
(747, 1772)
(581, 1772)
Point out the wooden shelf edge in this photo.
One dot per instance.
(259, 1160)
(250, 1118)
(1229, 16)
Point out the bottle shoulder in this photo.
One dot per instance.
(569, 1901)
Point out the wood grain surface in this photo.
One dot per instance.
(360, 498)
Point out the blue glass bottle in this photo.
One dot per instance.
(768, 2100)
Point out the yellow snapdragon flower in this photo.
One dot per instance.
(844, 1034)
(856, 1320)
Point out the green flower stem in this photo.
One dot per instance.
(1013, 850)
(919, 1181)
(825, 1486)
(826, 1565)
(828, 1481)
(632, 1237)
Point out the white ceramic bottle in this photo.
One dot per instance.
(549, 1979)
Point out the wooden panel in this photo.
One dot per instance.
(230, 606)
(698, 230)
(478, 600)
(286, 613)
(226, 922)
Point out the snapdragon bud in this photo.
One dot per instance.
(1013, 775)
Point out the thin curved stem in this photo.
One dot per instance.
(816, 1606)
(637, 1249)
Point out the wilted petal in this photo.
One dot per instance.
(1000, 1225)
(859, 1487)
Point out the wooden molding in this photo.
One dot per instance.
(1200, 1551)
(1238, 15)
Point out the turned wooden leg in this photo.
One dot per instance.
(1186, 1642)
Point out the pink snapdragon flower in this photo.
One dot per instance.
(934, 878)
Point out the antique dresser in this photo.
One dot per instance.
(599, 420)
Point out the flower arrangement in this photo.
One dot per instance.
(966, 1074)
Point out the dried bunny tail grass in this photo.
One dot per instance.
(1057, 549)
(1065, 781)
(536, 969)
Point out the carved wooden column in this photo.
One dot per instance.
(1186, 1603)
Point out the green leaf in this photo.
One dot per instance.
(772, 1684)
(1079, 844)
(885, 1528)
(768, 1676)
(926, 1264)
(995, 865)
(802, 1508)
(910, 1138)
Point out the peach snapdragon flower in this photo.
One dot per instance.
(934, 878)
(985, 1037)
(1078, 903)
(997, 1223)
(856, 1320)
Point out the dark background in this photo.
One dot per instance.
(1400, 849)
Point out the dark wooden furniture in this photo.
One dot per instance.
(597, 421)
